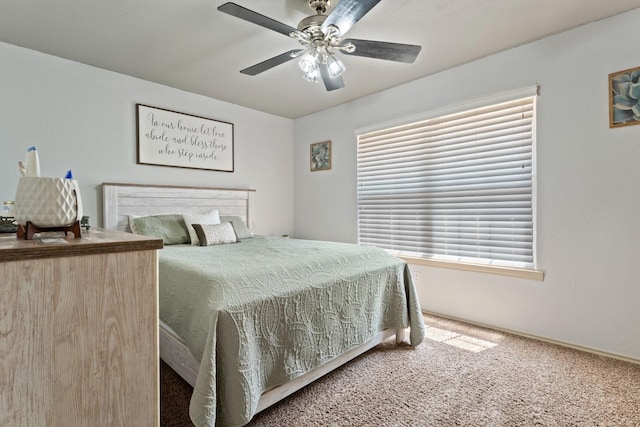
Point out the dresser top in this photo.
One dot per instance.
(92, 242)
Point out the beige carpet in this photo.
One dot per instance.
(462, 375)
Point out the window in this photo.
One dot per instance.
(458, 187)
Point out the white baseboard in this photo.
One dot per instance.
(539, 338)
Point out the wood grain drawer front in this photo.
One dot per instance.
(79, 341)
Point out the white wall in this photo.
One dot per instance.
(83, 118)
(588, 227)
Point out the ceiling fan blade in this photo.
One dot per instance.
(330, 83)
(256, 18)
(270, 63)
(347, 13)
(384, 50)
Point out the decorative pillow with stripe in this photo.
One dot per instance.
(215, 234)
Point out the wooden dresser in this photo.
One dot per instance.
(79, 331)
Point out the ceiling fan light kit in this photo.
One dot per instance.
(321, 37)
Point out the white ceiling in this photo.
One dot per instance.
(190, 45)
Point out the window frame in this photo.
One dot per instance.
(528, 272)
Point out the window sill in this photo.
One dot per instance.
(521, 273)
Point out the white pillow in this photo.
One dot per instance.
(212, 217)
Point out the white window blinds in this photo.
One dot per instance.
(457, 187)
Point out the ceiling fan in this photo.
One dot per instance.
(321, 37)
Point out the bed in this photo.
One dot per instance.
(250, 322)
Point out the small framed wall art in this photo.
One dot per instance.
(624, 98)
(320, 156)
(169, 138)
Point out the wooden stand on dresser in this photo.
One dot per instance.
(79, 331)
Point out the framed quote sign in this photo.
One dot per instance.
(169, 138)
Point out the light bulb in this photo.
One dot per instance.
(312, 75)
(308, 61)
(336, 67)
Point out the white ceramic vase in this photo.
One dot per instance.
(48, 202)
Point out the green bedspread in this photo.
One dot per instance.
(263, 311)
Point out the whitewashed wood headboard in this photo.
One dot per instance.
(122, 200)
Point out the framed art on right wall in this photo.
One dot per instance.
(624, 98)
(320, 156)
